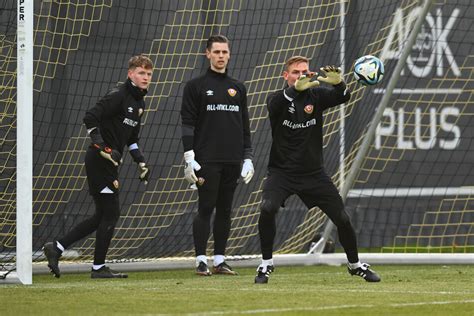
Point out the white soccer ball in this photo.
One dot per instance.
(368, 70)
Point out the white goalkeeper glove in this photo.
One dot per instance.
(333, 75)
(144, 172)
(247, 171)
(304, 82)
(190, 166)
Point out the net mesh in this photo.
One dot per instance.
(412, 194)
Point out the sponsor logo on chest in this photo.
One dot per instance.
(294, 125)
(223, 107)
(130, 122)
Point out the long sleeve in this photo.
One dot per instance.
(330, 97)
(248, 150)
(189, 116)
(134, 138)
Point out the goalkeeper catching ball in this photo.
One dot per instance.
(296, 159)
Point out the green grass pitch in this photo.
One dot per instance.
(316, 290)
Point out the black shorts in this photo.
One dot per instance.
(102, 175)
(314, 190)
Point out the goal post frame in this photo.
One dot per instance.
(24, 162)
(33, 28)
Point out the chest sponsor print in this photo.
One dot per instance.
(300, 125)
(130, 122)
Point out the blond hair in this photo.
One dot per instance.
(295, 60)
(140, 61)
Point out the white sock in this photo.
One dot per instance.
(59, 246)
(264, 265)
(355, 265)
(201, 258)
(97, 266)
(218, 259)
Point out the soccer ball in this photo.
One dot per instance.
(368, 70)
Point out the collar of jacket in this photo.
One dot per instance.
(137, 93)
(216, 74)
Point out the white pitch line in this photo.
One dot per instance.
(322, 308)
(407, 192)
(421, 91)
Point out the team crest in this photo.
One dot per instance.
(308, 108)
(116, 184)
(231, 92)
(140, 112)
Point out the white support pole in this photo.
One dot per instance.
(342, 109)
(24, 146)
(319, 245)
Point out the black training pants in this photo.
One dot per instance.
(314, 190)
(102, 177)
(220, 182)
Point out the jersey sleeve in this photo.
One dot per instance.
(107, 106)
(189, 115)
(330, 97)
(248, 150)
(135, 135)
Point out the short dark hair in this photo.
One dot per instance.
(216, 39)
(294, 60)
(140, 61)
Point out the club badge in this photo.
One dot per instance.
(308, 108)
(231, 92)
(116, 184)
(140, 112)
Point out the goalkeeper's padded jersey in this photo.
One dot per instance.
(118, 115)
(215, 119)
(296, 119)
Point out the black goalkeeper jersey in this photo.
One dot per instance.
(117, 115)
(296, 119)
(215, 119)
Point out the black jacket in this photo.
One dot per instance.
(296, 119)
(117, 115)
(215, 119)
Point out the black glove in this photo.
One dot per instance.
(108, 153)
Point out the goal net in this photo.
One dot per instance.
(413, 192)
